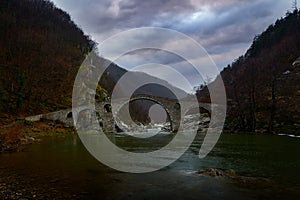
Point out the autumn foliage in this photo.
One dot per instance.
(262, 86)
(41, 51)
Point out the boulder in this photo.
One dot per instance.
(217, 172)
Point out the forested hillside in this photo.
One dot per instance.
(262, 86)
(41, 51)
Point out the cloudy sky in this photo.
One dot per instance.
(225, 28)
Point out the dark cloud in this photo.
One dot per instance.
(204, 19)
(230, 24)
(224, 27)
(105, 15)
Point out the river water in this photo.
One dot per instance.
(62, 168)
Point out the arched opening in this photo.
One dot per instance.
(145, 107)
(157, 114)
(107, 108)
(177, 106)
(70, 115)
(205, 111)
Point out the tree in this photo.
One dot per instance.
(261, 86)
(41, 51)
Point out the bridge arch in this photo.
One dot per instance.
(107, 108)
(166, 108)
(69, 115)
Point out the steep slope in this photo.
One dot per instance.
(262, 86)
(41, 50)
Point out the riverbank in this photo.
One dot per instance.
(16, 135)
(13, 187)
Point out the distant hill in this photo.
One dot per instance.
(158, 87)
(263, 88)
(138, 109)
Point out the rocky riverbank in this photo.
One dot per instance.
(236, 177)
(12, 187)
(14, 136)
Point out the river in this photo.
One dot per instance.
(61, 168)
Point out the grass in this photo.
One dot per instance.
(21, 133)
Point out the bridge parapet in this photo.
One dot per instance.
(103, 112)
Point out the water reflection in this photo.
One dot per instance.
(73, 169)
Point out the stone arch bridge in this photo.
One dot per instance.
(104, 112)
